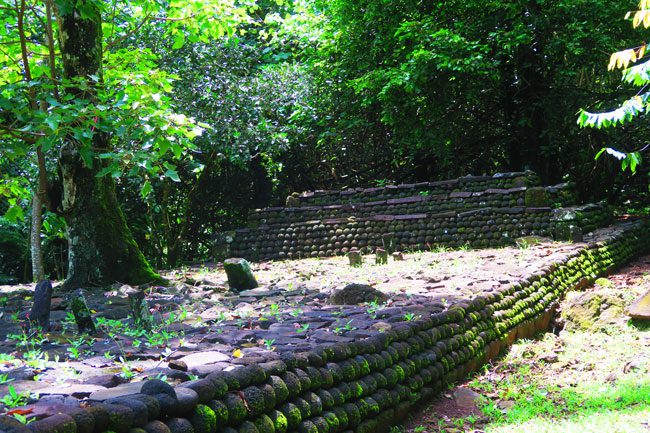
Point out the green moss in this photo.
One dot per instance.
(303, 406)
(305, 380)
(292, 413)
(315, 377)
(268, 393)
(236, 408)
(391, 377)
(264, 424)
(307, 427)
(280, 389)
(342, 417)
(345, 390)
(401, 374)
(364, 367)
(321, 424)
(332, 421)
(247, 427)
(326, 398)
(220, 411)
(337, 396)
(356, 390)
(354, 417)
(349, 370)
(327, 378)
(255, 400)
(292, 383)
(280, 422)
(336, 372)
(315, 403)
(203, 419)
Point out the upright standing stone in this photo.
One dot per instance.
(354, 255)
(536, 197)
(381, 256)
(388, 241)
(141, 315)
(240, 276)
(40, 313)
(292, 201)
(81, 312)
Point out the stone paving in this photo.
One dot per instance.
(202, 327)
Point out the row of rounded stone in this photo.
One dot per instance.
(360, 385)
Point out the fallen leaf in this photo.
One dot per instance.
(237, 353)
(20, 411)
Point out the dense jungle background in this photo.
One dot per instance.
(314, 94)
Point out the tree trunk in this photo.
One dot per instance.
(38, 272)
(101, 246)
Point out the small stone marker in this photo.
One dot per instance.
(354, 255)
(141, 315)
(354, 294)
(81, 312)
(398, 256)
(381, 256)
(536, 197)
(240, 276)
(388, 241)
(40, 313)
(641, 308)
(292, 201)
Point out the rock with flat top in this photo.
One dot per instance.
(640, 309)
(240, 276)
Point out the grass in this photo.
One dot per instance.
(596, 380)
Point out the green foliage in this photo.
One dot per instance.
(637, 75)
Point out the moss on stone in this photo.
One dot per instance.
(326, 398)
(236, 408)
(337, 396)
(342, 417)
(354, 417)
(280, 422)
(268, 393)
(335, 370)
(303, 406)
(203, 419)
(254, 399)
(315, 377)
(349, 370)
(305, 381)
(220, 411)
(327, 378)
(292, 413)
(307, 427)
(293, 383)
(264, 424)
(315, 403)
(280, 389)
(247, 427)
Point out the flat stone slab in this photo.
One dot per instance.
(119, 391)
(204, 358)
(640, 309)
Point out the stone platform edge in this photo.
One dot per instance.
(364, 386)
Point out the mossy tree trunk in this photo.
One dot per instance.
(101, 246)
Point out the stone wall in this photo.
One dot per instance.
(466, 184)
(479, 228)
(362, 386)
(478, 211)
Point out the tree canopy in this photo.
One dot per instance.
(188, 114)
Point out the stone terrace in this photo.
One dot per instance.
(481, 211)
(463, 306)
